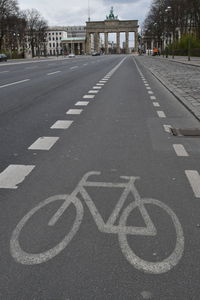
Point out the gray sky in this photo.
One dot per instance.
(75, 12)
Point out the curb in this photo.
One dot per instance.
(174, 92)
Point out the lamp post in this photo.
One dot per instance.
(168, 10)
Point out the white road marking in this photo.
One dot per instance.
(88, 96)
(156, 104)
(150, 92)
(61, 124)
(75, 67)
(100, 84)
(194, 180)
(44, 143)
(161, 114)
(180, 150)
(82, 103)
(123, 230)
(13, 83)
(167, 128)
(74, 111)
(101, 81)
(146, 84)
(52, 73)
(85, 64)
(97, 87)
(13, 175)
(152, 97)
(4, 71)
(148, 87)
(93, 92)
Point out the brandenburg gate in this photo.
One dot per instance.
(111, 25)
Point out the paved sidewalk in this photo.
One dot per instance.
(182, 79)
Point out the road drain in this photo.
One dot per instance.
(190, 132)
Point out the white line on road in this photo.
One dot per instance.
(75, 67)
(74, 111)
(13, 83)
(85, 64)
(156, 104)
(148, 87)
(152, 97)
(167, 128)
(97, 87)
(4, 72)
(180, 150)
(61, 124)
(13, 175)
(82, 103)
(194, 180)
(44, 143)
(102, 81)
(100, 84)
(88, 96)
(161, 114)
(52, 73)
(150, 92)
(93, 92)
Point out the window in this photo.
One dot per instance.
(53, 38)
(49, 33)
(56, 44)
(56, 38)
(60, 38)
(60, 33)
(53, 33)
(49, 44)
(56, 33)
(49, 38)
(53, 44)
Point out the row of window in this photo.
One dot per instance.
(55, 45)
(53, 39)
(60, 33)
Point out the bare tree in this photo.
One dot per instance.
(36, 28)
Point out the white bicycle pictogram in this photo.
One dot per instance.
(122, 230)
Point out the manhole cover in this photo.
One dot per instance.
(195, 132)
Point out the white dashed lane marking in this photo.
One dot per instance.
(150, 92)
(44, 143)
(61, 124)
(14, 83)
(180, 150)
(156, 104)
(167, 128)
(75, 67)
(161, 114)
(93, 92)
(194, 180)
(97, 87)
(74, 112)
(88, 96)
(52, 73)
(152, 97)
(100, 84)
(4, 72)
(82, 103)
(13, 175)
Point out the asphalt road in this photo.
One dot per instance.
(69, 234)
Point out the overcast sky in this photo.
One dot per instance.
(75, 12)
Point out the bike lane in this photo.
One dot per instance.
(118, 134)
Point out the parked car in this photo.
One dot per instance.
(3, 57)
(71, 55)
(95, 54)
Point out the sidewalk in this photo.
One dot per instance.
(180, 77)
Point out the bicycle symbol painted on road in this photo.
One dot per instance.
(122, 230)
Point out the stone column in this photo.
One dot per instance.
(136, 41)
(118, 42)
(127, 42)
(88, 44)
(79, 49)
(96, 42)
(106, 42)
